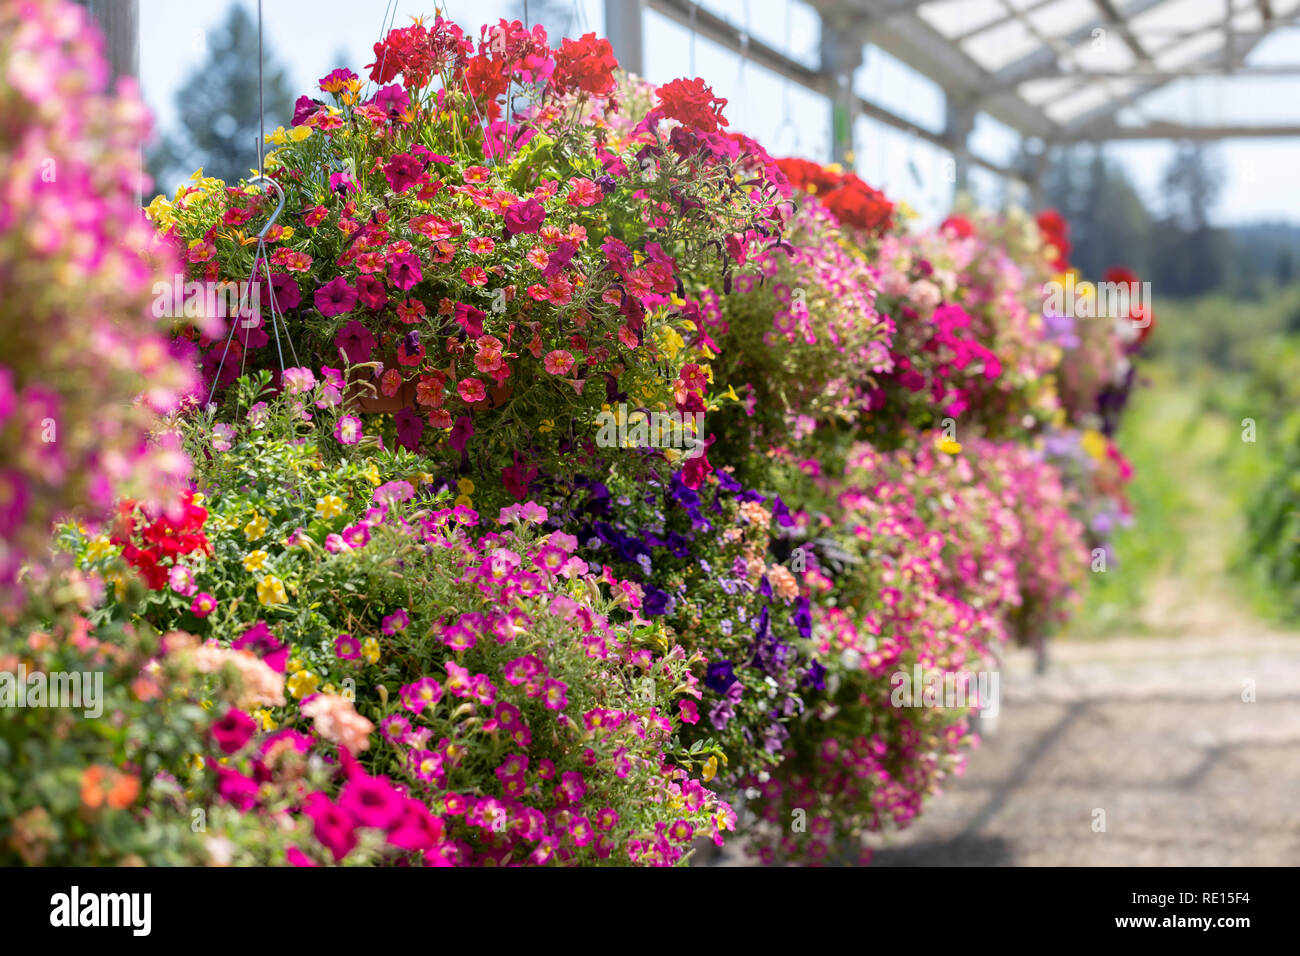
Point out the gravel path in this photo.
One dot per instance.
(1154, 732)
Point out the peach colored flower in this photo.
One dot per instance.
(336, 720)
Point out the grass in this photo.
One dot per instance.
(1185, 451)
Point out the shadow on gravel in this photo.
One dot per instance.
(962, 851)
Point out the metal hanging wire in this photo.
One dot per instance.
(787, 120)
(260, 255)
(740, 73)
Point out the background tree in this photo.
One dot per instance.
(218, 108)
(1190, 255)
(1109, 224)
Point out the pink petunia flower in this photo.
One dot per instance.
(348, 430)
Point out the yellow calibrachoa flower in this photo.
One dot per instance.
(160, 212)
(255, 528)
(329, 507)
(948, 446)
(302, 683)
(293, 664)
(270, 590)
(370, 650)
(424, 478)
(371, 474)
(254, 560)
(670, 341)
(465, 486)
(98, 548)
(710, 769)
(263, 717)
(463, 501)
(1094, 443)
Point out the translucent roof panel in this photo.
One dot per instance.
(1063, 70)
(996, 47)
(955, 18)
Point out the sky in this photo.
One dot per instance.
(306, 37)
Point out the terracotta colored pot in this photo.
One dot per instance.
(359, 398)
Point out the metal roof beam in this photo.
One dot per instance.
(1179, 131)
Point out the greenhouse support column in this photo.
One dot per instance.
(957, 129)
(1034, 178)
(626, 35)
(841, 55)
(119, 21)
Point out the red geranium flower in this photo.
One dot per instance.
(586, 64)
(693, 103)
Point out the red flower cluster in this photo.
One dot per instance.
(1055, 231)
(166, 538)
(693, 103)
(854, 203)
(1144, 320)
(958, 226)
(417, 53)
(587, 64)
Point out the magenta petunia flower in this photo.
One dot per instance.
(470, 319)
(690, 715)
(357, 535)
(393, 100)
(371, 801)
(525, 217)
(334, 826)
(555, 694)
(422, 693)
(14, 498)
(204, 604)
(404, 270)
(393, 491)
(302, 108)
(236, 789)
(395, 727)
(371, 292)
(399, 620)
(335, 297)
(233, 730)
(343, 182)
(347, 647)
(461, 433)
(410, 426)
(295, 857)
(265, 645)
(402, 172)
